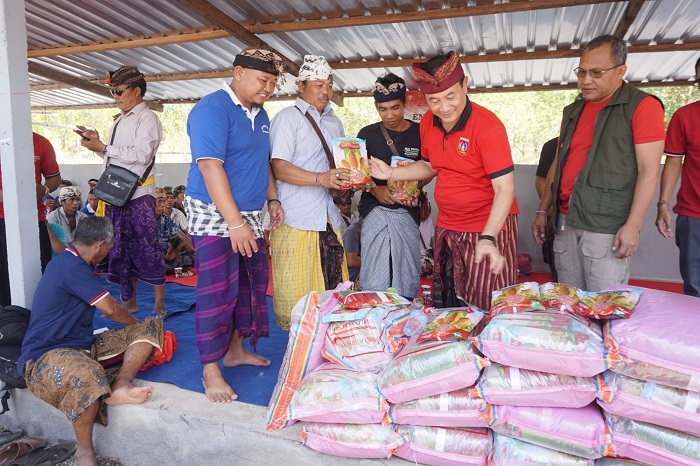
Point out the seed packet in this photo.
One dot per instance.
(516, 298)
(404, 191)
(608, 304)
(351, 153)
(452, 325)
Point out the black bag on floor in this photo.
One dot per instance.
(14, 321)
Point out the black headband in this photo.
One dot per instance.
(253, 63)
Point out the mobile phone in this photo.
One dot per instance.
(81, 134)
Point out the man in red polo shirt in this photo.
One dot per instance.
(466, 146)
(605, 172)
(683, 140)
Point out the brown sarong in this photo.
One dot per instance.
(71, 380)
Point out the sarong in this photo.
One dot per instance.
(390, 252)
(296, 268)
(136, 251)
(458, 280)
(71, 380)
(230, 296)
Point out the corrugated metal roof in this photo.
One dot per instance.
(492, 38)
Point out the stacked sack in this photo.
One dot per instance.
(549, 347)
(651, 397)
(355, 352)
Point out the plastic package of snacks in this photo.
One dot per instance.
(336, 394)
(560, 296)
(576, 431)
(453, 409)
(650, 402)
(546, 341)
(513, 452)
(444, 447)
(503, 385)
(652, 444)
(430, 368)
(516, 298)
(452, 325)
(352, 440)
(357, 299)
(351, 153)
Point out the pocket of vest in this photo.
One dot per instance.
(612, 193)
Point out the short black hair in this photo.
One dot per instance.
(92, 191)
(432, 65)
(618, 47)
(92, 229)
(93, 180)
(66, 182)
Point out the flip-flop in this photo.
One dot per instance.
(19, 448)
(7, 435)
(48, 455)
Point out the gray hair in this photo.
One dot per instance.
(618, 47)
(92, 229)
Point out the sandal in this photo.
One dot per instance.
(48, 455)
(19, 448)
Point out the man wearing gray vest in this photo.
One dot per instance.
(605, 172)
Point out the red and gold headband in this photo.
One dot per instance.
(446, 76)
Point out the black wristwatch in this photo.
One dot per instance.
(488, 238)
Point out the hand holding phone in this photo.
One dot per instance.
(80, 131)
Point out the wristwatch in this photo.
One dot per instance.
(488, 238)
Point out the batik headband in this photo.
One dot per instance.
(315, 68)
(69, 191)
(124, 75)
(395, 91)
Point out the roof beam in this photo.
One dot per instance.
(218, 32)
(633, 8)
(72, 81)
(424, 15)
(236, 29)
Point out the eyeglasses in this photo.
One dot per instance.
(118, 92)
(595, 72)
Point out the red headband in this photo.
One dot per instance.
(446, 76)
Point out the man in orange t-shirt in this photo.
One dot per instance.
(467, 147)
(605, 173)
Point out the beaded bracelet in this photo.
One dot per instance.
(273, 200)
(543, 212)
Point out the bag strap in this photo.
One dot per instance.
(389, 141)
(422, 241)
(326, 149)
(143, 178)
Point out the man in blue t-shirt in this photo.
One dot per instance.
(227, 185)
(61, 357)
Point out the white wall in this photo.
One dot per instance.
(656, 258)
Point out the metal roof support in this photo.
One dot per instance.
(17, 156)
(55, 75)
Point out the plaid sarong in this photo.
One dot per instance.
(231, 295)
(71, 380)
(204, 219)
(458, 280)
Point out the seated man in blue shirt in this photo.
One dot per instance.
(61, 358)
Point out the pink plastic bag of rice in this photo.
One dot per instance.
(650, 402)
(508, 451)
(503, 385)
(303, 355)
(662, 333)
(367, 344)
(430, 368)
(336, 394)
(546, 341)
(352, 440)
(453, 409)
(617, 462)
(439, 446)
(651, 444)
(576, 431)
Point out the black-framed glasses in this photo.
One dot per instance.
(117, 92)
(594, 73)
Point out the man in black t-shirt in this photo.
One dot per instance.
(390, 235)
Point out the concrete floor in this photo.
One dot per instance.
(177, 428)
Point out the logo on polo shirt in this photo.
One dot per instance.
(265, 129)
(463, 146)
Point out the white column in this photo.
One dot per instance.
(17, 155)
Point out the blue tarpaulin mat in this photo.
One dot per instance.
(253, 385)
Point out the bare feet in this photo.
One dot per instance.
(129, 394)
(215, 387)
(84, 459)
(131, 306)
(245, 357)
(160, 312)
